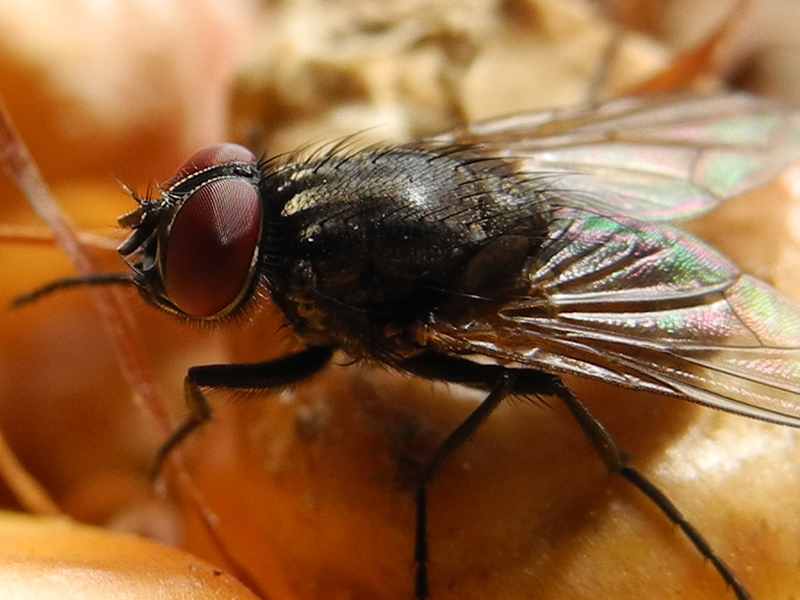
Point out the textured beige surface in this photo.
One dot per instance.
(401, 70)
(44, 558)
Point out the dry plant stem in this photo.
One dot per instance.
(599, 83)
(15, 234)
(706, 57)
(20, 167)
(32, 496)
(113, 309)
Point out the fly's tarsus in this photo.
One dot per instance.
(65, 284)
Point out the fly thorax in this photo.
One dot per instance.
(382, 239)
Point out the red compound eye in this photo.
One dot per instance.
(212, 242)
(209, 157)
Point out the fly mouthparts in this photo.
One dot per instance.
(72, 282)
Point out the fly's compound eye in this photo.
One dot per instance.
(208, 255)
(208, 161)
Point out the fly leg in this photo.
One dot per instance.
(502, 382)
(429, 470)
(432, 466)
(274, 374)
(617, 462)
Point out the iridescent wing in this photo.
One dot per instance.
(645, 307)
(655, 159)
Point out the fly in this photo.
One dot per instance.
(500, 256)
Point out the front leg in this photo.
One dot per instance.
(271, 375)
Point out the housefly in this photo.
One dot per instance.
(500, 256)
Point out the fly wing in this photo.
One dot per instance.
(644, 307)
(655, 159)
